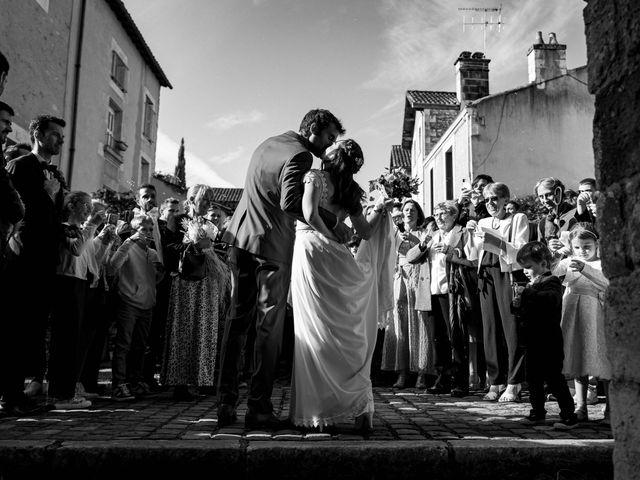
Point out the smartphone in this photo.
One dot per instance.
(112, 218)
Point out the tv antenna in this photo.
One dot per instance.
(483, 18)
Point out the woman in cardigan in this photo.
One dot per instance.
(494, 244)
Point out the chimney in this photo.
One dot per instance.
(546, 60)
(472, 77)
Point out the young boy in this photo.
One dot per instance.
(139, 270)
(538, 306)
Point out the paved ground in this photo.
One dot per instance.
(415, 433)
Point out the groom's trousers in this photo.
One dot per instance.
(259, 291)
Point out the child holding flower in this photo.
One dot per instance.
(196, 303)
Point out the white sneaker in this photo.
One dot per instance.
(34, 388)
(74, 403)
(81, 392)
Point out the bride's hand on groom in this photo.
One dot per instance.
(342, 232)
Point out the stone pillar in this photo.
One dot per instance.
(613, 43)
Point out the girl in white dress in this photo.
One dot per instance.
(337, 298)
(585, 347)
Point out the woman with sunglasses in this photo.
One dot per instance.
(495, 243)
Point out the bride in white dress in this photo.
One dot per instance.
(338, 298)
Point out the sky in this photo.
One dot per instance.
(246, 70)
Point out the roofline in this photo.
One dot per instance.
(421, 106)
(465, 111)
(528, 85)
(136, 37)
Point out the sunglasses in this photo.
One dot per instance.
(492, 199)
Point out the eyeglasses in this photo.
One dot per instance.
(492, 199)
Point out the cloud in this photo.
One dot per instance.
(197, 169)
(423, 40)
(229, 156)
(234, 119)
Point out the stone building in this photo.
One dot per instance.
(87, 62)
(517, 136)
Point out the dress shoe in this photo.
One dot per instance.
(264, 420)
(226, 415)
(26, 407)
(459, 392)
(181, 393)
(438, 389)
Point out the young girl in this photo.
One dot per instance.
(585, 351)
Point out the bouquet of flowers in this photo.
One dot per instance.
(195, 229)
(398, 183)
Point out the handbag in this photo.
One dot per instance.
(192, 265)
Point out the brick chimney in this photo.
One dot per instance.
(546, 60)
(472, 77)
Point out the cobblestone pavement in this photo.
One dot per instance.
(408, 414)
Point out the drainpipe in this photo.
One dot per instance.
(76, 91)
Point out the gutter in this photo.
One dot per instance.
(76, 91)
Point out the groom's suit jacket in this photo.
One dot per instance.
(264, 221)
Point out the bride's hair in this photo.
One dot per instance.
(341, 164)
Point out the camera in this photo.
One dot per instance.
(112, 218)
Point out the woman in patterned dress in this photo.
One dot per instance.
(408, 341)
(196, 307)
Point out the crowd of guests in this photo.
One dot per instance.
(86, 284)
(485, 298)
(455, 327)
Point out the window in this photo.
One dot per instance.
(448, 169)
(114, 124)
(149, 118)
(111, 173)
(118, 71)
(144, 171)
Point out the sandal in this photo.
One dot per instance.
(511, 394)
(494, 393)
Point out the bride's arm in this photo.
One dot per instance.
(310, 202)
(364, 226)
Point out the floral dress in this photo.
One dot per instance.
(194, 320)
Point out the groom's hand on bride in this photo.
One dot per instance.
(342, 232)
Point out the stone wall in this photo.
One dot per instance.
(613, 51)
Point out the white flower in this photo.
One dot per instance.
(196, 229)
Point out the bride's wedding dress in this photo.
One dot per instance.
(337, 301)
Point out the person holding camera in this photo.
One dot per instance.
(76, 273)
(586, 201)
(139, 270)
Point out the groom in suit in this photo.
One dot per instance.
(261, 235)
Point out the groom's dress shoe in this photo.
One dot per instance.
(226, 415)
(264, 420)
